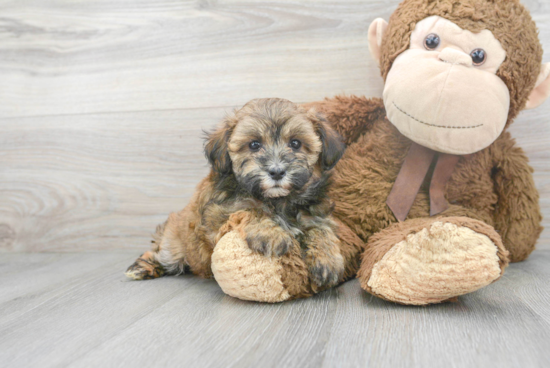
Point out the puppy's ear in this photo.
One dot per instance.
(333, 145)
(215, 147)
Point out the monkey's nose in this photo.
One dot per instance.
(277, 173)
(455, 57)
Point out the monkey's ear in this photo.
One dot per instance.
(376, 32)
(542, 88)
(333, 145)
(216, 150)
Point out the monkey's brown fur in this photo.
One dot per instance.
(493, 186)
(290, 219)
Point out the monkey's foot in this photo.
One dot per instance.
(145, 267)
(245, 274)
(427, 261)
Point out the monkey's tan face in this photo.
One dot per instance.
(271, 155)
(443, 92)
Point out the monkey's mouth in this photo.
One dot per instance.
(435, 125)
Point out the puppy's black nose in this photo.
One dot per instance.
(277, 174)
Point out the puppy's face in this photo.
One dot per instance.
(273, 147)
(274, 151)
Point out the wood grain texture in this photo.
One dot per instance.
(104, 102)
(77, 310)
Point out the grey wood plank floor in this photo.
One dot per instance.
(78, 310)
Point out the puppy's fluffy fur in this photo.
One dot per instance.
(271, 164)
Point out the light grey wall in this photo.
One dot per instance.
(103, 103)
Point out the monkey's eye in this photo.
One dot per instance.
(296, 144)
(478, 56)
(255, 145)
(431, 41)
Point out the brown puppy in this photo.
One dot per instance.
(270, 172)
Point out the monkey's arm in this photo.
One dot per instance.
(350, 116)
(517, 214)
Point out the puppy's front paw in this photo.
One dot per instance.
(326, 271)
(269, 242)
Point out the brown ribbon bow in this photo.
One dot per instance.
(412, 174)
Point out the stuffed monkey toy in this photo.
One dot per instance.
(431, 180)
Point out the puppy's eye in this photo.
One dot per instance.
(296, 144)
(255, 145)
(478, 56)
(431, 41)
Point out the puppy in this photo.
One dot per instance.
(271, 164)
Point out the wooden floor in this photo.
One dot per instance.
(78, 310)
(102, 108)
